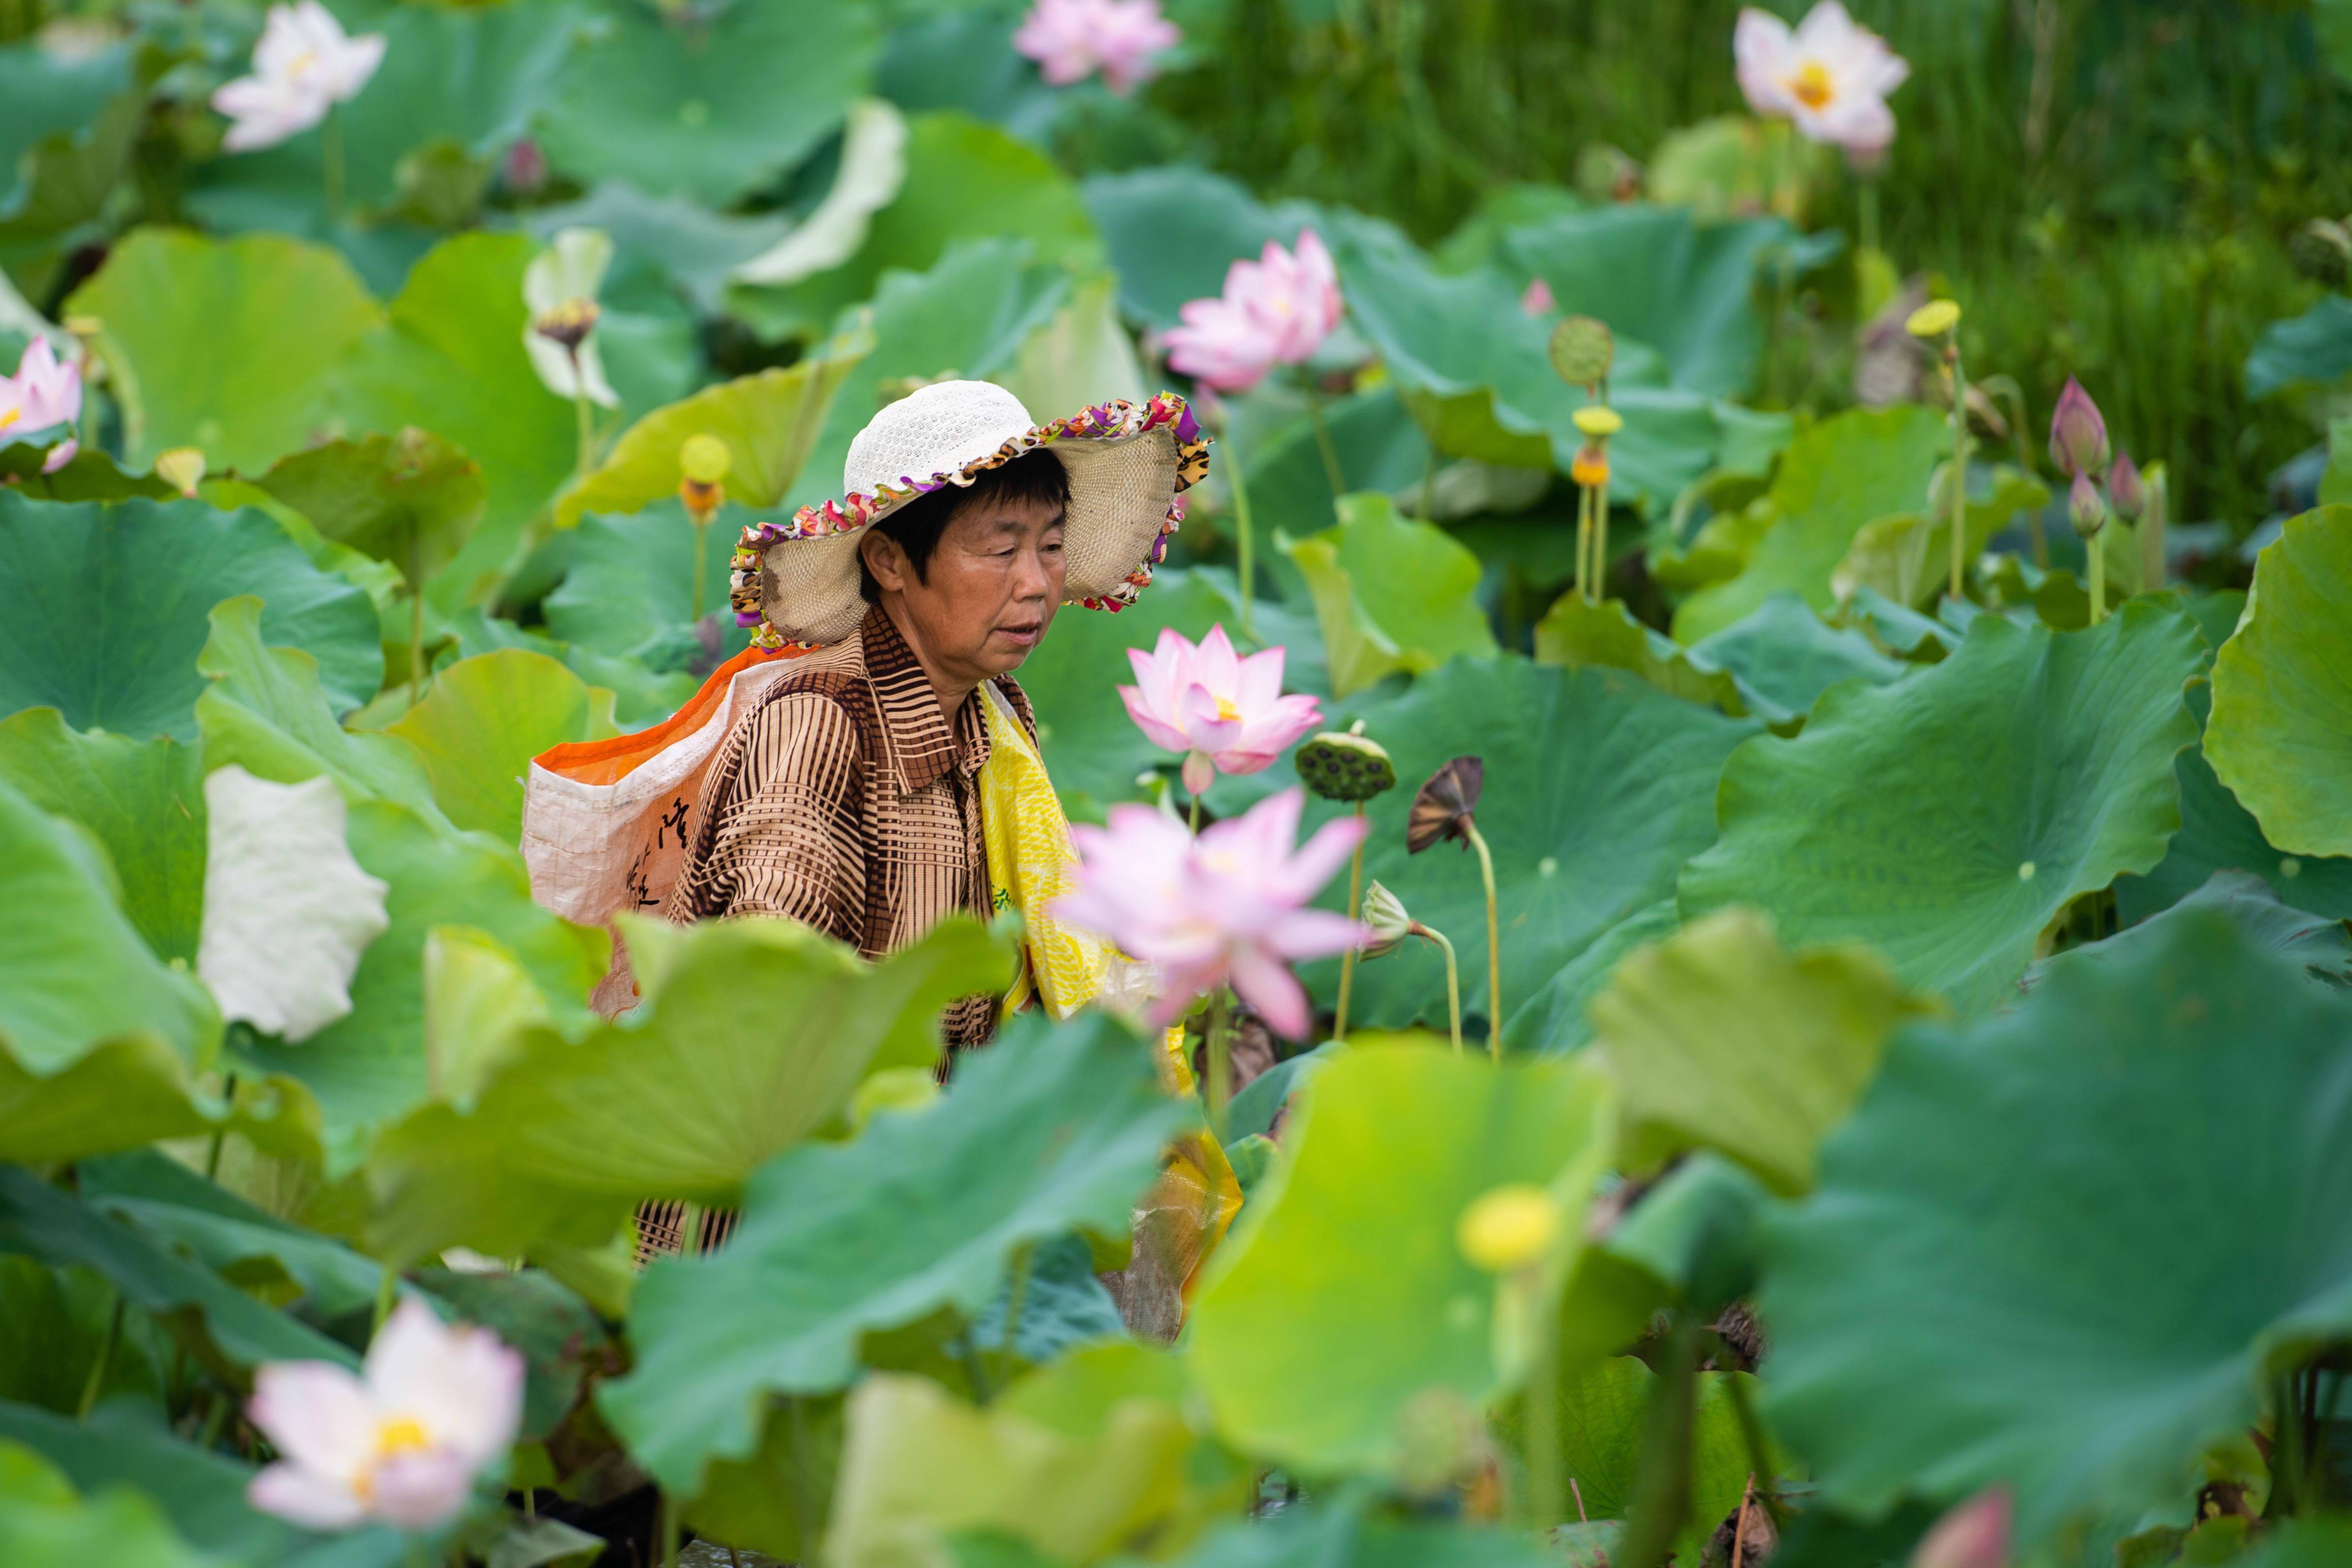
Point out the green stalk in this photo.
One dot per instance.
(2098, 574)
(969, 1353)
(2152, 538)
(701, 559)
(1960, 470)
(1219, 1089)
(90, 1390)
(220, 1135)
(584, 422)
(1662, 1485)
(669, 1531)
(1583, 538)
(1242, 530)
(797, 1432)
(1599, 545)
(689, 1230)
(331, 162)
(1452, 980)
(1494, 944)
(1355, 912)
(1324, 445)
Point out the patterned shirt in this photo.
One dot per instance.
(845, 801)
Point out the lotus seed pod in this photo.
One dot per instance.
(1934, 319)
(1582, 351)
(568, 323)
(2322, 251)
(2078, 432)
(1507, 1228)
(704, 458)
(1349, 767)
(1599, 420)
(182, 468)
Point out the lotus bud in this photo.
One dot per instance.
(1507, 1228)
(702, 462)
(1385, 914)
(567, 325)
(1443, 806)
(2322, 251)
(1582, 351)
(182, 468)
(1348, 766)
(2127, 491)
(1973, 1535)
(2086, 507)
(1934, 319)
(1537, 299)
(2078, 435)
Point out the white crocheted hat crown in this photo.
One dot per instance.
(1129, 464)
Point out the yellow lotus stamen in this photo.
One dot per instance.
(1226, 711)
(1812, 85)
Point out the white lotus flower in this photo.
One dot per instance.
(1830, 75)
(873, 167)
(401, 1441)
(303, 66)
(559, 288)
(288, 912)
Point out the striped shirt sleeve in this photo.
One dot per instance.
(788, 835)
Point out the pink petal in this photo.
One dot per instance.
(304, 1497)
(1158, 732)
(1267, 985)
(1328, 851)
(422, 1490)
(1205, 727)
(1200, 773)
(1316, 933)
(60, 455)
(316, 1414)
(1259, 679)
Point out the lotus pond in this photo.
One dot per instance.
(1814, 548)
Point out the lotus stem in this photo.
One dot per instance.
(1583, 539)
(1960, 470)
(2152, 538)
(1355, 912)
(1543, 1409)
(584, 424)
(796, 1430)
(669, 1530)
(1323, 444)
(2098, 576)
(1452, 980)
(99, 1369)
(1218, 1089)
(1245, 570)
(701, 560)
(1600, 578)
(1494, 945)
(331, 165)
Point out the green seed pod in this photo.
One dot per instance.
(1344, 767)
(1582, 351)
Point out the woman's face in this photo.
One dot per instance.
(985, 596)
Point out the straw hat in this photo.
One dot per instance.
(1129, 465)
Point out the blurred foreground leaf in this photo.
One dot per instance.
(484, 719)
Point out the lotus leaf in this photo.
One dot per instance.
(2321, 945)
(168, 299)
(1576, 632)
(759, 1503)
(482, 721)
(2303, 353)
(1946, 819)
(2281, 734)
(91, 474)
(1080, 357)
(48, 96)
(42, 1520)
(58, 1319)
(1906, 556)
(1341, 1303)
(1718, 1036)
(629, 591)
(1850, 469)
(1557, 1019)
(1047, 1129)
(1944, 1307)
(410, 501)
(105, 609)
(144, 801)
(662, 244)
(1391, 594)
(1784, 657)
(1378, 446)
(686, 105)
(1171, 232)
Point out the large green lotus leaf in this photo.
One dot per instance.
(1378, 446)
(695, 105)
(1575, 631)
(2303, 353)
(2170, 1130)
(482, 721)
(664, 243)
(1340, 1536)
(1172, 231)
(58, 1320)
(143, 800)
(1850, 469)
(1946, 819)
(967, 317)
(409, 499)
(1472, 367)
(76, 972)
(2323, 946)
(769, 421)
(2281, 734)
(2217, 833)
(1391, 594)
(43, 1520)
(1082, 356)
(91, 474)
(231, 1330)
(450, 360)
(758, 1504)
(949, 156)
(49, 93)
(1602, 1409)
(1342, 1303)
(629, 591)
(227, 345)
(1598, 789)
(1657, 276)
(919, 1464)
(1784, 657)
(1720, 1037)
(1557, 1019)
(468, 76)
(1907, 558)
(1047, 1130)
(103, 609)
(705, 1084)
(199, 1491)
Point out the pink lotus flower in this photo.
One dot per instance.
(1225, 713)
(401, 1441)
(44, 393)
(1537, 300)
(303, 66)
(1072, 39)
(1275, 310)
(1830, 75)
(1229, 907)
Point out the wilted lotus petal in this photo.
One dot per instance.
(873, 167)
(1443, 808)
(2127, 491)
(559, 288)
(288, 912)
(2078, 433)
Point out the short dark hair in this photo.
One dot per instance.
(916, 527)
